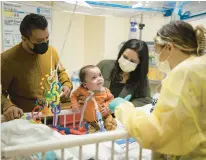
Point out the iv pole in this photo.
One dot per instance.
(141, 26)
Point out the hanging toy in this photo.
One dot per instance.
(35, 114)
(40, 104)
(50, 104)
(52, 94)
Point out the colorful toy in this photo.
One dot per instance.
(50, 104)
(35, 116)
(29, 118)
(76, 131)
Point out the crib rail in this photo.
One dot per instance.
(62, 113)
(61, 144)
(25, 150)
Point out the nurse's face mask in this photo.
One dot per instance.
(163, 66)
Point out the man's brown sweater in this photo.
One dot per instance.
(21, 75)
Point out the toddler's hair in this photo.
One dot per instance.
(83, 72)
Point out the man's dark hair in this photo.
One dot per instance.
(32, 21)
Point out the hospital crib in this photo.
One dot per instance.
(11, 152)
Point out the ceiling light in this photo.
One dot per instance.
(80, 3)
(137, 5)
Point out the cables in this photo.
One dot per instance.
(73, 13)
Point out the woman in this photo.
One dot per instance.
(128, 74)
(177, 126)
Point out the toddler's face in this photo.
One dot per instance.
(94, 79)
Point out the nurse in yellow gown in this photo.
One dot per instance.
(177, 126)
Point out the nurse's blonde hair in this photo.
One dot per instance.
(183, 36)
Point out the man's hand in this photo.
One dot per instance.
(66, 92)
(13, 112)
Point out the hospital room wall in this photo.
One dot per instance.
(103, 35)
(94, 46)
(74, 43)
(199, 21)
(117, 31)
(72, 56)
(92, 39)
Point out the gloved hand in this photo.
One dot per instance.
(115, 102)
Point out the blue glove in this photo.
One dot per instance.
(115, 102)
(50, 155)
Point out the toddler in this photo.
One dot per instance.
(92, 80)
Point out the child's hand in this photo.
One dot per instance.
(75, 109)
(110, 123)
(104, 111)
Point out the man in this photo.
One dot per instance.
(24, 66)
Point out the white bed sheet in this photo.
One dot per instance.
(23, 132)
(89, 151)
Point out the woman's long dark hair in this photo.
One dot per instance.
(139, 75)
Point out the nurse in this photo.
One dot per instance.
(177, 126)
